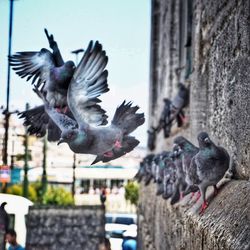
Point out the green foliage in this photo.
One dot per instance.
(132, 192)
(53, 196)
(17, 189)
(58, 196)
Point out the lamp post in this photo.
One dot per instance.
(7, 113)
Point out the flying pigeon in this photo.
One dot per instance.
(188, 151)
(45, 70)
(211, 163)
(107, 143)
(38, 121)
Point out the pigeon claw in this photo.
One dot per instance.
(108, 154)
(198, 196)
(203, 207)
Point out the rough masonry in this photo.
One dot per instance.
(206, 45)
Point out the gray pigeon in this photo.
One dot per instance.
(141, 172)
(188, 151)
(179, 102)
(151, 138)
(148, 168)
(38, 121)
(45, 70)
(159, 176)
(169, 177)
(211, 163)
(88, 83)
(165, 122)
(180, 185)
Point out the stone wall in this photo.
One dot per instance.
(215, 65)
(78, 227)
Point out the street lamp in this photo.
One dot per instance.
(7, 113)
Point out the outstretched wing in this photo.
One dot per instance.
(33, 65)
(88, 83)
(61, 120)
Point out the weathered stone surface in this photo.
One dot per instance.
(80, 227)
(219, 104)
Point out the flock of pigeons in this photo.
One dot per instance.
(186, 169)
(71, 110)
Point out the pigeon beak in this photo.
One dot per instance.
(206, 140)
(60, 141)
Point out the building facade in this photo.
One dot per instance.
(206, 46)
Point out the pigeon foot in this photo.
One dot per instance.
(198, 196)
(204, 207)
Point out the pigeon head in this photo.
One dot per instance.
(203, 140)
(70, 67)
(68, 136)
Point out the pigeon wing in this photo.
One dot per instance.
(35, 66)
(88, 83)
(61, 120)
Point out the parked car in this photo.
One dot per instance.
(115, 227)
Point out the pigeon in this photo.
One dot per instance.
(180, 185)
(169, 177)
(211, 163)
(179, 102)
(46, 71)
(4, 217)
(106, 142)
(148, 168)
(151, 138)
(165, 122)
(188, 151)
(141, 172)
(160, 172)
(38, 121)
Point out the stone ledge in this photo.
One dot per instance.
(224, 225)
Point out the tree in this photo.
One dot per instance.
(132, 192)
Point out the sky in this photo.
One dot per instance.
(121, 26)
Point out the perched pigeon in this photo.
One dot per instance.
(161, 165)
(4, 217)
(179, 102)
(165, 121)
(107, 143)
(46, 70)
(148, 168)
(151, 138)
(180, 185)
(188, 151)
(169, 178)
(38, 121)
(211, 163)
(141, 172)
